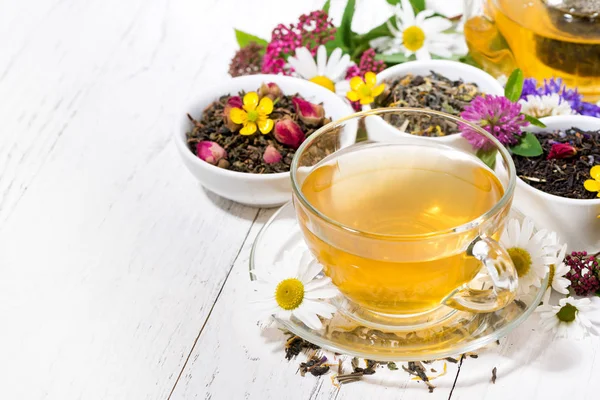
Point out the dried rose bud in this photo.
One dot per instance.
(210, 152)
(232, 102)
(309, 113)
(271, 155)
(561, 150)
(288, 132)
(270, 90)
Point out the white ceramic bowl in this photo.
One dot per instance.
(380, 130)
(259, 190)
(574, 220)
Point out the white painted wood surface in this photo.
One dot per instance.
(120, 277)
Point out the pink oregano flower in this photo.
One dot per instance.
(497, 115)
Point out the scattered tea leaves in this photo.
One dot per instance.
(392, 366)
(494, 371)
(451, 359)
(295, 344)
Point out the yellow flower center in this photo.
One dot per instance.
(289, 293)
(551, 274)
(521, 259)
(252, 115)
(324, 81)
(413, 38)
(365, 91)
(567, 313)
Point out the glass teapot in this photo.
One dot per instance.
(545, 38)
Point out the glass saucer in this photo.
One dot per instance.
(459, 332)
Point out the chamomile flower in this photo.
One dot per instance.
(328, 73)
(556, 274)
(291, 288)
(545, 106)
(421, 35)
(573, 318)
(528, 252)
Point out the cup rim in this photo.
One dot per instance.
(504, 200)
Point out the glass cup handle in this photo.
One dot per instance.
(502, 273)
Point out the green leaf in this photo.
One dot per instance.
(344, 31)
(418, 5)
(534, 121)
(393, 2)
(392, 58)
(378, 31)
(244, 39)
(528, 146)
(326, 6)
(488, 157)
(514, 85)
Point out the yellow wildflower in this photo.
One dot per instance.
(365, 90)
(254, 114)
(593, 185)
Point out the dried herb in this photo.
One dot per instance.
(434, 92)
(392, 366)
(562, 176)
(473, 355)
(416, 368)
(295, 344)
(494, 375)
(245, 153)
(315, 366)
(451, 359)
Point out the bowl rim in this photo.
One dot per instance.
(548, 121)
(503, 152)
(179, 134)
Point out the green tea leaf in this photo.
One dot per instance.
(534, 121)
(514, 85)
(528, 146)
(345, 31)
(244, 39)
(488, 157)
(326, 6)
(392, 58)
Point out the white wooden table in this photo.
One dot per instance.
(120, 277)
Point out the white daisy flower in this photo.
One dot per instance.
(573, 318)
(556, 275)
(420, 35)
(328, 73)
(545, 106)
(290, 289)
(528, 253)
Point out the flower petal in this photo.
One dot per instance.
(434, 25)
(338, 71)
(592, 186)
(265, 106)
(304, 63)
(248, 129)
(265, 125)
(356, 83)
(423, 54)
(309, 319)
(367, 100)
(323, 293)
(595, 172)
(317, 283)
(238, 116)
(352, 95)
(408, 14)
(250, 101)
(377, 90)
(321, 308)
(321, 60)
(370, 79)
(313, 269)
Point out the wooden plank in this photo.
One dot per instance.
(237, 357)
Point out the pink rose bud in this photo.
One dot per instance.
(288, 132)
(561, 150)
(309, 113)
(270, 90)
(271, 155)
(210, 152)
(233, 101)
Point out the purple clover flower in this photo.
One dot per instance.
(497, 115)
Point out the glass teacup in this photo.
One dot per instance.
(403, 224)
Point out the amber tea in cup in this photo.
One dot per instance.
(402, 227)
